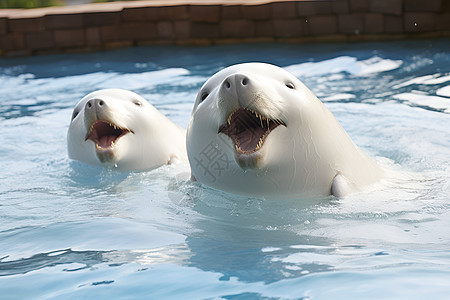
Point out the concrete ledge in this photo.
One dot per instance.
(100, 26)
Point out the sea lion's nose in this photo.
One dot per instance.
(236, 81)
(94, 103)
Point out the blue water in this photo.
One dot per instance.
(70, 231)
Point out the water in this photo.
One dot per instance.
(70, 231)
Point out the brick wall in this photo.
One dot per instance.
(125, 24)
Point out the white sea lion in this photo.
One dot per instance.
(119, 129)
(256, 130)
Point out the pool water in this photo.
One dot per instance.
(71, 231)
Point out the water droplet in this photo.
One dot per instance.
(115, 165)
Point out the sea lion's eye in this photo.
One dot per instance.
(290, 85)
(75, 114)
(137, 103)
(204, 96)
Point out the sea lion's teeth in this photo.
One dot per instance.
(229, 117)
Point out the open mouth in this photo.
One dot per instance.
(248, 129)
(105, 134)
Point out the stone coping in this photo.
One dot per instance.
(99, 26)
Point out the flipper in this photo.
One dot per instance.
(340, 186)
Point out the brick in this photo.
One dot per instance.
(155, 14)
(66, 21)
(359, 5)
(22, 52)
(237, 28)
(182, 29)
(101, 19)
(93, 36)
(134, 14)
(264, 28)
(393, 24)
(111, 33)
(312, 8)
(443, 22)
(445, 7)
(26, 25)
(205, 13)
(137, 14)
(373, 23)
(257, 12)
(205, 30)
(117, 45)
(284, 10)
(165, 30)
(392, 7)
(39, 40)
(340, 6)
(129, 31)
(419, 22)
(140, 31)
(423, 5)
(320, 25)
(180, 12)
(3, 26)
(232, 12)
(351, 24)
(12, 41)
(288, 28)
(69, 38)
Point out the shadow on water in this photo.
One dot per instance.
(247, 238)
(51, 259)
(84, 175)
(80, 260)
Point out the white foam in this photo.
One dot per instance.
(270, 249)
(329, 66)
(427, 79)
(338, 97)
(344, 64)
(377, 65)
(435, 102)
(445, 91)
(144, 80)
(312, 258)
(438, 80)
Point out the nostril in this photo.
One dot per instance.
(245, 81)
(100, 103)
(227, 84)
(89, 104)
